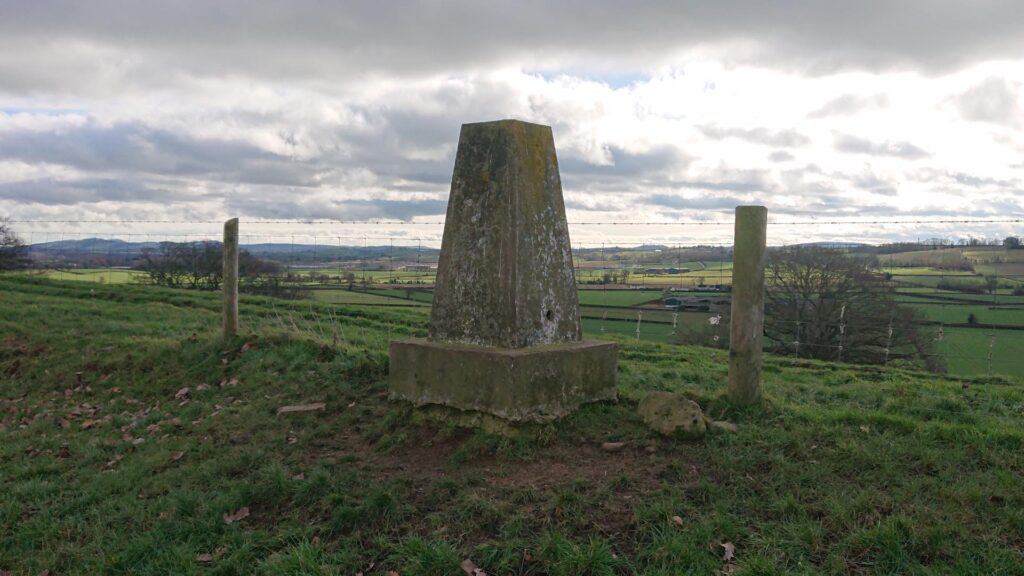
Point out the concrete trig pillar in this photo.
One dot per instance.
(746, 330)
(505, 332)
(231, 278)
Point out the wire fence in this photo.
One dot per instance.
(672, 284)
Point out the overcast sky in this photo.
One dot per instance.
(662, 111)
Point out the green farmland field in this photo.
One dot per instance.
(357, 297)
(966, 351)
(596, 297)
(101, 275)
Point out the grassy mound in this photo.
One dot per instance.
(108, 465)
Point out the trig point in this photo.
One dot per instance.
(505, 334)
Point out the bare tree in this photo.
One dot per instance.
(13, 251)
(826, 304)
(185, 264)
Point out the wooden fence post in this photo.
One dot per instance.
(231, 278)
(746, 328)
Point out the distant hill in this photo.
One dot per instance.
(844, 245)
(90, 248)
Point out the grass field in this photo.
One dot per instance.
(966, 351)
(958, 313)
(989, 254)
(618, 297)
(108, 466)
(100, 275)
(923, 271)
(423, 296)
(926, 258)
(358, 297)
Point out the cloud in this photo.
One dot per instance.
(624, 164)
(782, 138)
(352, 110)
(855, 145)
(873, 183)
(717, 203)
(319, 207)
(849, 104)
(89, 190)
(995, 100)
(63, 45)
(136, 147)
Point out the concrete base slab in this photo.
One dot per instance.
(534, 384)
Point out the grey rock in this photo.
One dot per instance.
(673, 415)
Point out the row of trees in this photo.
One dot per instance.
(200, 265)
(822, 303)
(827, 304)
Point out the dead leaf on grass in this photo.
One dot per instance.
(678, 521)
(613, 446)
(729, 557)
(470, 568)
(208, 557)
(728, 551)
(239, 515)
(182, 394)
(177, 455)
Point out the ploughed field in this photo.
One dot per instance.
(133, 440)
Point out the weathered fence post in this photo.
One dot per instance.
(231, 278)
(746, 329)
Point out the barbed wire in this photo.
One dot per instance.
(1014, 220)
